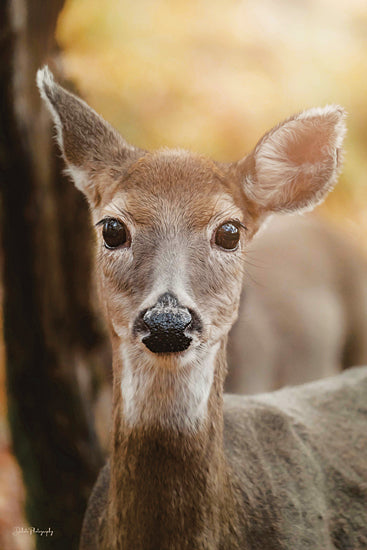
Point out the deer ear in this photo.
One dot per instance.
(90, 146)
(295, 165)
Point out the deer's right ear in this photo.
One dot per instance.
(90, 146)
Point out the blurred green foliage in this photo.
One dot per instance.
(213, 75)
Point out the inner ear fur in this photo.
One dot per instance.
(295, 165)
(91, 147)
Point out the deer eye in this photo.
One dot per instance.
(227, 236)
(114, 233)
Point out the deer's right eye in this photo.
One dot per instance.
(115, 233)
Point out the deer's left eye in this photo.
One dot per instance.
(227, 236)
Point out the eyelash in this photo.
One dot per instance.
(106, 219)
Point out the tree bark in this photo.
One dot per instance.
(51, 332)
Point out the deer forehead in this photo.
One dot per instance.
(175, 188)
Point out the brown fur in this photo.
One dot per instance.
(168, 491)
(186, 471)
(295, 480)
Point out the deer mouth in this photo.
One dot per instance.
(168, 342)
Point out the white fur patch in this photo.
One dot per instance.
(79, 177)
(174, 398)
(276, 172)
(45, 79)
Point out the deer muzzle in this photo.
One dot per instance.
(166, 326)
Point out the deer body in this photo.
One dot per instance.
(285, 475)
(187, 471)
(303, 308)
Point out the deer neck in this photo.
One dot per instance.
(170, 488)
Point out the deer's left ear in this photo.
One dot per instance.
(295, 165)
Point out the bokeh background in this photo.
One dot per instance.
(214, 75)
(211, 76)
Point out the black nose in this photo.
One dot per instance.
(166, 322)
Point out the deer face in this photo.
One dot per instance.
(172, 230)
(171, 242)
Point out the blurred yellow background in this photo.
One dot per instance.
(214, 75)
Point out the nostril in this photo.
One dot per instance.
(139, 325)
(195, 322)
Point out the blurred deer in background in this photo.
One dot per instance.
(189, 469)
(303, 308)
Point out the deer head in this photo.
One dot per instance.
(172, 229)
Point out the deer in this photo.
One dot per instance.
(303, 306)
(191, 467)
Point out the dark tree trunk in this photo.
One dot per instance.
(50, 327)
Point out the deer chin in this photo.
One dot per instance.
(137, 353)
(166, 390)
